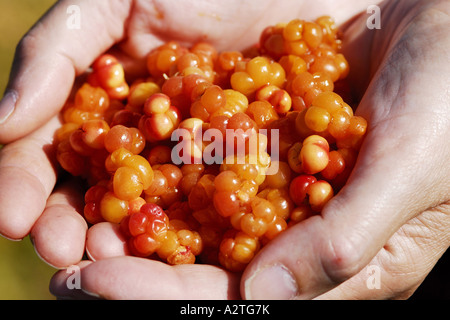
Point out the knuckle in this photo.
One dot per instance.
(342, 259)
(29, 43)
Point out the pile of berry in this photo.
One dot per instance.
(293, 143)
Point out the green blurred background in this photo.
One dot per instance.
(23, 276)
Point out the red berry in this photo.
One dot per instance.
(298, 187)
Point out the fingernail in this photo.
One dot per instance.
(271, 283)
(7, 105)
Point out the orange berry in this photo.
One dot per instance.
(112, 208)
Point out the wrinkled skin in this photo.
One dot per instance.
(393, 214)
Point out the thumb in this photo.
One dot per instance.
(50, 56)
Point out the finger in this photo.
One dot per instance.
(28, 176)
(59, 233)
(136, 278)
(49, 57)
(104, 240)
(403, 263)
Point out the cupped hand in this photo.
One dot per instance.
(393, 213)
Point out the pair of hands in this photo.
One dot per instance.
(393, 214)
